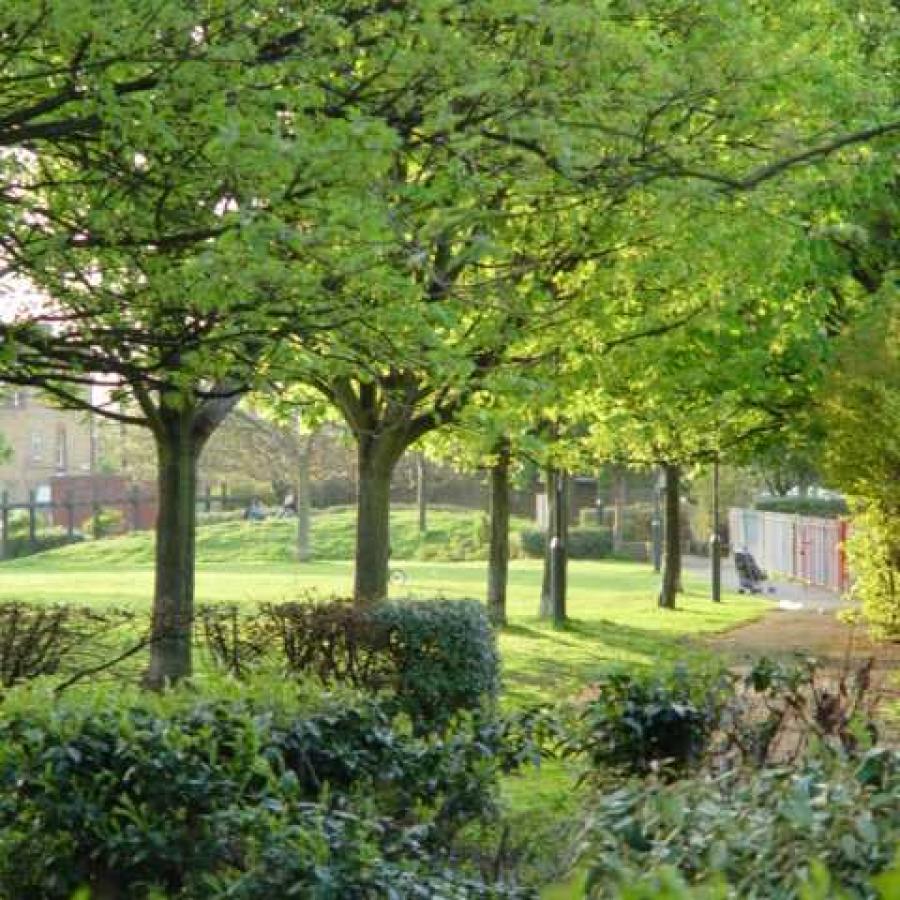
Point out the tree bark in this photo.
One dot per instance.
(422, 491)
(671, 580)
(498, 561)
(304, 500)
(178, 451)
(377, 457)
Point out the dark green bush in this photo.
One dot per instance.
(639, 721)
(444, 655)
(805, 506)
(584, 543)
(235, 797)
(757, 834)
(18, 546)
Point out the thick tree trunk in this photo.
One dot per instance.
(304, 500)
(671, 580)
(498, 562)
(376, 458)
(173, 601)
(553, 594)
(422, 491)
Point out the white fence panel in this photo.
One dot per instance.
(810, 549)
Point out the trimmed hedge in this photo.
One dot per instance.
(805, 506)
(435, 658)
(584, 543)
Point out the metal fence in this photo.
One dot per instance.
(809, 549)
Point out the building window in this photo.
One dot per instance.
(37, 446)
(62, 449)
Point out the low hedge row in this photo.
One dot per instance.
(583, 543)
(435, 658)
(805, 506)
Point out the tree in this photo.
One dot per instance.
(151, 241)
(483, 251)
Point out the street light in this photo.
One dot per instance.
(656, 523)
(715, 548)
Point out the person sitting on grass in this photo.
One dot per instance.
(255, 511)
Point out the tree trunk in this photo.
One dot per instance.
(671, 581)
(553, 594)
(620, 498)
(422, 491)
(173, 599)
(376, 458)
(498, 563)
(304, 500)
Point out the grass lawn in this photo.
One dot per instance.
(611, 604)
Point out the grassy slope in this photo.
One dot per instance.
(452, 534)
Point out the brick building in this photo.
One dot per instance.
(45, 442)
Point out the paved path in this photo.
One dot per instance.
(788, 595)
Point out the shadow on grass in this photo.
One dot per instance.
(524, 631)
(556, 664)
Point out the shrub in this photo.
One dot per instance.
(444, 655)
(760, 834)
(825, 508)
(18, 546)
(436, 658)
(38, 640)
(782, 710)
(874, 551)
(584, 543)
(637, 722)
(235, 796)
(107, 521)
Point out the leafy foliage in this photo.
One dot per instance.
(805, 506)
(757, 836)
(640, 723)
(236, 794)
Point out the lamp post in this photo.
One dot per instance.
(656, 523)
(715, 549)
(558, 550)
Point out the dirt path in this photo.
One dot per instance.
(804, 620)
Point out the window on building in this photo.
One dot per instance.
(14, 399)
(62, 449)
(37, 446)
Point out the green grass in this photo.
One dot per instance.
(611, 604)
